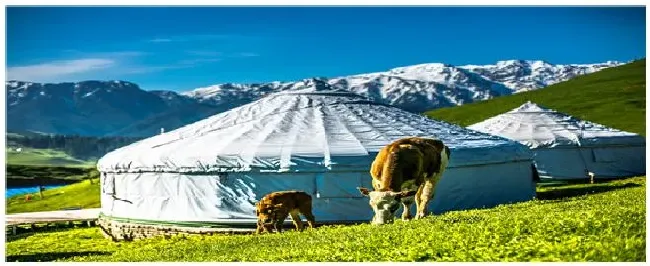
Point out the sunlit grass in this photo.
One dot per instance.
(80, 195)
(580, 222)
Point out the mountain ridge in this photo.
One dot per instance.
(105, 108)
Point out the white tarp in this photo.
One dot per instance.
(319, 142)
(566, 147)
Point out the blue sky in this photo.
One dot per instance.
(179, 49)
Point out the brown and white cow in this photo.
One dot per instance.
(405, 168)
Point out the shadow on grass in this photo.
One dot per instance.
(560, 193)
(50, 256)
(19, 236)
(584, 181)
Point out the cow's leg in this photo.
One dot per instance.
(418, 194)
(406, 204)
(296, 220)
(427, 193)
(406, 213)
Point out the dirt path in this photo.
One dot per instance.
(51, 216)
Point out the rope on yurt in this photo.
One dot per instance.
(579, 138)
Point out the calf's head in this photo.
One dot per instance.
(266, 212)
(384, 204)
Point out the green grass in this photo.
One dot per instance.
(614, 97)
(43, 157)
(579, 222)
(80, 195)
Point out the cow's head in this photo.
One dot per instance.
(384, 204)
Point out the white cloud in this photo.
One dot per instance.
(198, 61)
(204, 53)
(121, 54)
(151, 69)
(193, 38)
(113, 65)
(247, 54)
(160, 40)
(54, 70)
(187, 63)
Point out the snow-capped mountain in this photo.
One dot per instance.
(523, 75)
(421, 87)
(122, 108)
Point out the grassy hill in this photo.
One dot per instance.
(614, 97)
(18, 154)
(588, 222)
(30, 148)
(44, 157)
(80, 195)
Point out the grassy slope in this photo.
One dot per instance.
(79, 195)
(38, 157)
(614, 97)
(600, 222)
(42, 157)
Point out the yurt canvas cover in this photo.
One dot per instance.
(215, 170)
(568, 148)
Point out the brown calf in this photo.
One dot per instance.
(275, 207)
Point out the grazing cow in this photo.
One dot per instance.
(395, 177)
(275, 207)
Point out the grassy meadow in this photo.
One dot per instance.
(44, 157)
(79, 195)
(578, 222)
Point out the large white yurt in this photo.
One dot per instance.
(569, 148)
(322, 142)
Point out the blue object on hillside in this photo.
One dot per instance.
(10, 192)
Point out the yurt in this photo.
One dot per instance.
(212, 172)
(569, 148)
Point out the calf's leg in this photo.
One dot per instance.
(260, 228)
(306, 211)
(296, 220)
(278, 223)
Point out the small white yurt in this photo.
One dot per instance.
(322, 142)
(568, 148)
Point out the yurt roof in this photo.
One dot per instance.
(300, 131)
(536, 126)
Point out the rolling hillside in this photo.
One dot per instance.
(80, 195)
(28, 148)
(614, 97)
(18, 154)
(41, 157)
